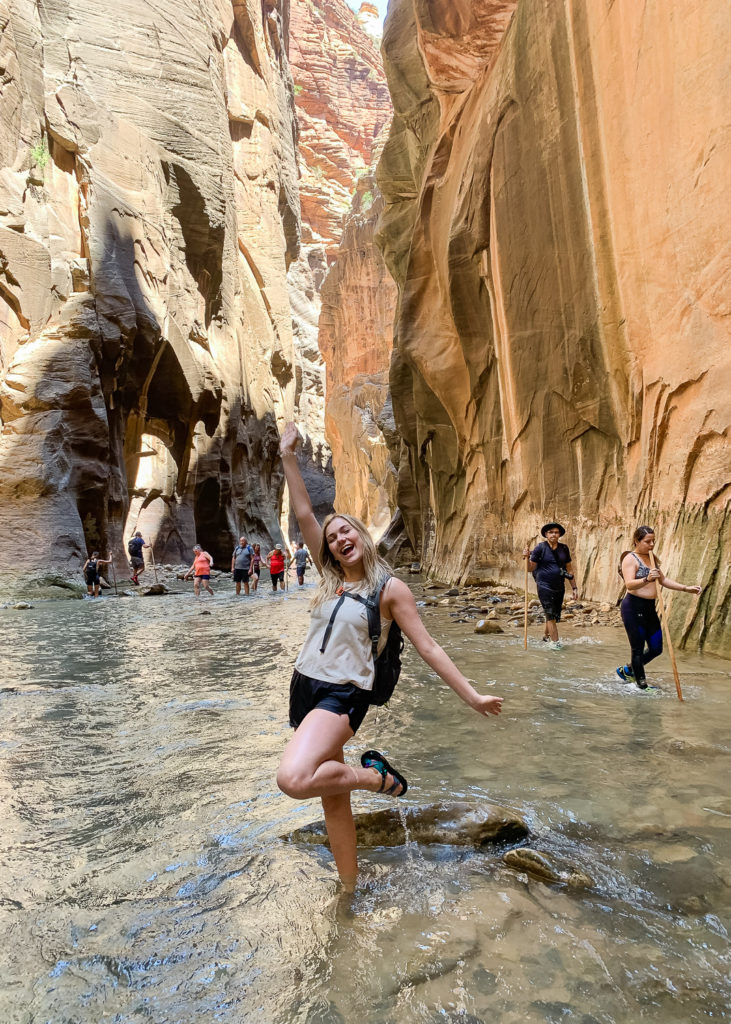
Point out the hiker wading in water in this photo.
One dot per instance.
(333, 676)
(639, 614)
(550, 563)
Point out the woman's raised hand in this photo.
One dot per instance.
(289, 439)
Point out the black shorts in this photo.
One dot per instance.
(277, 577)
(203, 577)
(306, 694)
(551, 602)
(92, 579)
(241, 575)
(136, 562)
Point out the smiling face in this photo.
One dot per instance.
(344, 542)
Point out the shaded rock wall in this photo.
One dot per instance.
(557, 225)
(148, 214)
(342, 106)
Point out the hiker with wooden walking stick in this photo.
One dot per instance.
(550, 563)
(643, 579)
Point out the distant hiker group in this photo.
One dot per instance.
(246, 566)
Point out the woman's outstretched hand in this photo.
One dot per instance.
(290, 438)
(486, 705)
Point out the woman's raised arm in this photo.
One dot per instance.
(298, 496)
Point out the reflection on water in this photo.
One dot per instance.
(143, 875)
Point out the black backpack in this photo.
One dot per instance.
(131, 547)
(387, 664)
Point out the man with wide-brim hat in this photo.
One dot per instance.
(550, 563)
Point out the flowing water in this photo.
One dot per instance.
(145, 873)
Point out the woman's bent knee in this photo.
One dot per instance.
(293, 784)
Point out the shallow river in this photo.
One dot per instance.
(144, 875)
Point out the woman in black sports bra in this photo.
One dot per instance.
(639, 614)
(334, 674)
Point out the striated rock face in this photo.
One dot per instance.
(557, 223)
(148, 214)
(342, 105)
(356, 340)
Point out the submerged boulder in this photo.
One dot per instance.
(454, 824)
(547, 867)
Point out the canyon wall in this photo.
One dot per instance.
(356, 340)
(557, 223)
(148, 214)
(343, 106)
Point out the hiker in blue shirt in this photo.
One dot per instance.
(550, 563)
(241, 565)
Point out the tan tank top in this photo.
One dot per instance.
(347, 658)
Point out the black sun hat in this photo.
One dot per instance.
(552, 526)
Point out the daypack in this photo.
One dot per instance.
(132, 546)
(387, 664)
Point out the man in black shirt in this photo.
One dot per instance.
(550, 563)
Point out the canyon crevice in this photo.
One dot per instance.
(555, 221)
(342, 296)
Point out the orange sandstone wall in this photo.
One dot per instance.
(557, 223)
(343, 107)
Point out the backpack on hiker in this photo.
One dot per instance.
(132, 547)
(387, 664)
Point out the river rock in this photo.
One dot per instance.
(454, 592)
(488, 626)
(454, 824)
(547, 867)
(156, 590)
(22, 605)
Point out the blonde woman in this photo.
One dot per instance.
(329, 693)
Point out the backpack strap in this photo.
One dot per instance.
(373, 608)
(329, 628)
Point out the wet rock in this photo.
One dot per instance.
(205, 612)
(415, 568)
(453, 824)
(454, 592)
(488, 626)
(547, 867)
(156, 590)
(21, 605)
(517, 606)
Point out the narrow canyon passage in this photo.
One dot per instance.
(150, 869)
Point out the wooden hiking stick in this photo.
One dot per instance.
(666, 627)
(525, 608)
(154, 566)
(114, 577)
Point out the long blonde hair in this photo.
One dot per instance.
(375, 569)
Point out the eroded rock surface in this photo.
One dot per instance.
(148, 213)
(343, 106)
(356, 340)
(557, 224)
(455, 823)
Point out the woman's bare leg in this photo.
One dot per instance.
(313, 765)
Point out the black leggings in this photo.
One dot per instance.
(643, 630)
